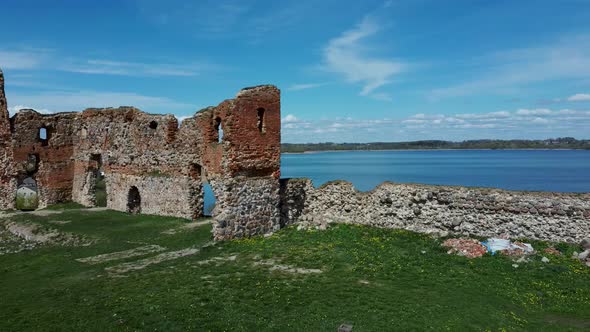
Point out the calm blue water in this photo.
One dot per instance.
(547, 170)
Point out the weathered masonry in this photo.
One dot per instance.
(150, 165)
(440, 209)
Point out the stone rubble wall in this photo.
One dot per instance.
(440, 209)
(174, 196)
(245, 207)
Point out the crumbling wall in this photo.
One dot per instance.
(152, 166)
(440, 209)
(7, 179)
(47, 160)
(136, 149)
(160, 195)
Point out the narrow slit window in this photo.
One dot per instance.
(260, 120)
(219, 129)
(196, 171)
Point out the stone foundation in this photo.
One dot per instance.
(440, 209)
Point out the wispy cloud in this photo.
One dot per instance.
(304, 86)
(347, 55)
(206, 17)
(218, 19)
(75, 101)
(21, 59)
(34, 59)
(506, 71)
(108, 67)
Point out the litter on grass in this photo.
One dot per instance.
(507, 247)
(472, 248)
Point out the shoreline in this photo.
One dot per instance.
(377, 150)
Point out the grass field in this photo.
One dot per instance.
(127, 272)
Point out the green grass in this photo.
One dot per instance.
(101, 193)
(27, 203)
(374, 279)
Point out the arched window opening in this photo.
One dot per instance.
(219, 130)
(260, 120)
(153, 125)
(134, 201)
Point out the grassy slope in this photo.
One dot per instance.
(373, 279)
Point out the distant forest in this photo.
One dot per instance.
(552, 143)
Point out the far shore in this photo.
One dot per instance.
(377, 150)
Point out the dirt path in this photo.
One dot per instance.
(143, 263)
(139, 251)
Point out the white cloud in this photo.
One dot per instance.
(536, 124)
(540, 120)
(290, 118)
(344, 55)
(579, 97)
(298, 87)
(14, 109)
(75, 101)
(491, 115)
(538, 111)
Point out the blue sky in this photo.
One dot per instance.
(349, 71)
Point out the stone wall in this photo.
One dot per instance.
(175, 196)
(7, 178)
(245, 207)
(440, 209)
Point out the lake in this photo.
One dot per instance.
(538, 170)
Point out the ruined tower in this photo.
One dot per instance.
(7, 181)
(244, 166)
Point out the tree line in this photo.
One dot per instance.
(551, 143)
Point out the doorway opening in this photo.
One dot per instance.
(100, 189)
(134, 201)
(208, 200)
(27, 198)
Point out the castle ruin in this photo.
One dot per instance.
(152, 165)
